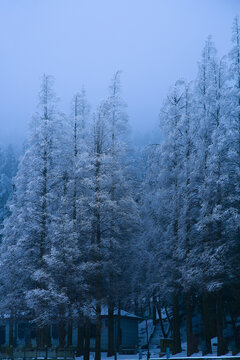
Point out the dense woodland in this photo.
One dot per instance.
(90, 221)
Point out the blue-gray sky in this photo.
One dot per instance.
(153, 42)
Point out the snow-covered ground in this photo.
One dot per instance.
(145, 330)
(154, 351)
(183, 354)
(104, 357)
(156, 356)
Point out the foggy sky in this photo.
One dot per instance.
(154, 42)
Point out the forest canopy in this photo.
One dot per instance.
(91, 221)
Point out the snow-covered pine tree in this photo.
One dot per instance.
(80, 129)
(234, 147)
(123, 214)
(27, 231)
(216, 188)
(170, 197)
(189, 210)
(206, 125)
(98, 210)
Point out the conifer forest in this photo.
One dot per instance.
(94, 223)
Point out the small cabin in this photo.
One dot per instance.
(128, 330)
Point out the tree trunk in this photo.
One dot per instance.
(62, 334)
(221, 349)
(98, 255)
(191, 348)
(169, 320)
(136, 307)
(119, 334)
(43, 336)
(235, 330)
(110, 329)
(160, 319)
(98, 333)
(40, 337)
(48, 336)
(27, 337)
(87, 339)
(154, 311)
(15, 333)
(80, 338)
(206, 325)
(69, 333)
(11, 342)
(149, 308)
(176, 326)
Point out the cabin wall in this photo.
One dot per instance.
(129, 333)
(129, 327)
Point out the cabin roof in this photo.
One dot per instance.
(123, 313)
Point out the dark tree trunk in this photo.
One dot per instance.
(110, 329)
(62, 334)
(48, 336)
(160, 319)
(98, 254)
(136, 307)
(69, 333)
(191, 346)
(206, 325)
(149, 308)
(11, 341)
(80, 338)
(27, 337)
(176, 326)
(119, 334)
(154, 311)
(43, 336)
(87, 339)
(221, 349)
(98, 333)
(39, 338)
(169, 319)
(15, 333)
(235, 331)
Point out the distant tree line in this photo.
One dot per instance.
(92, 223)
